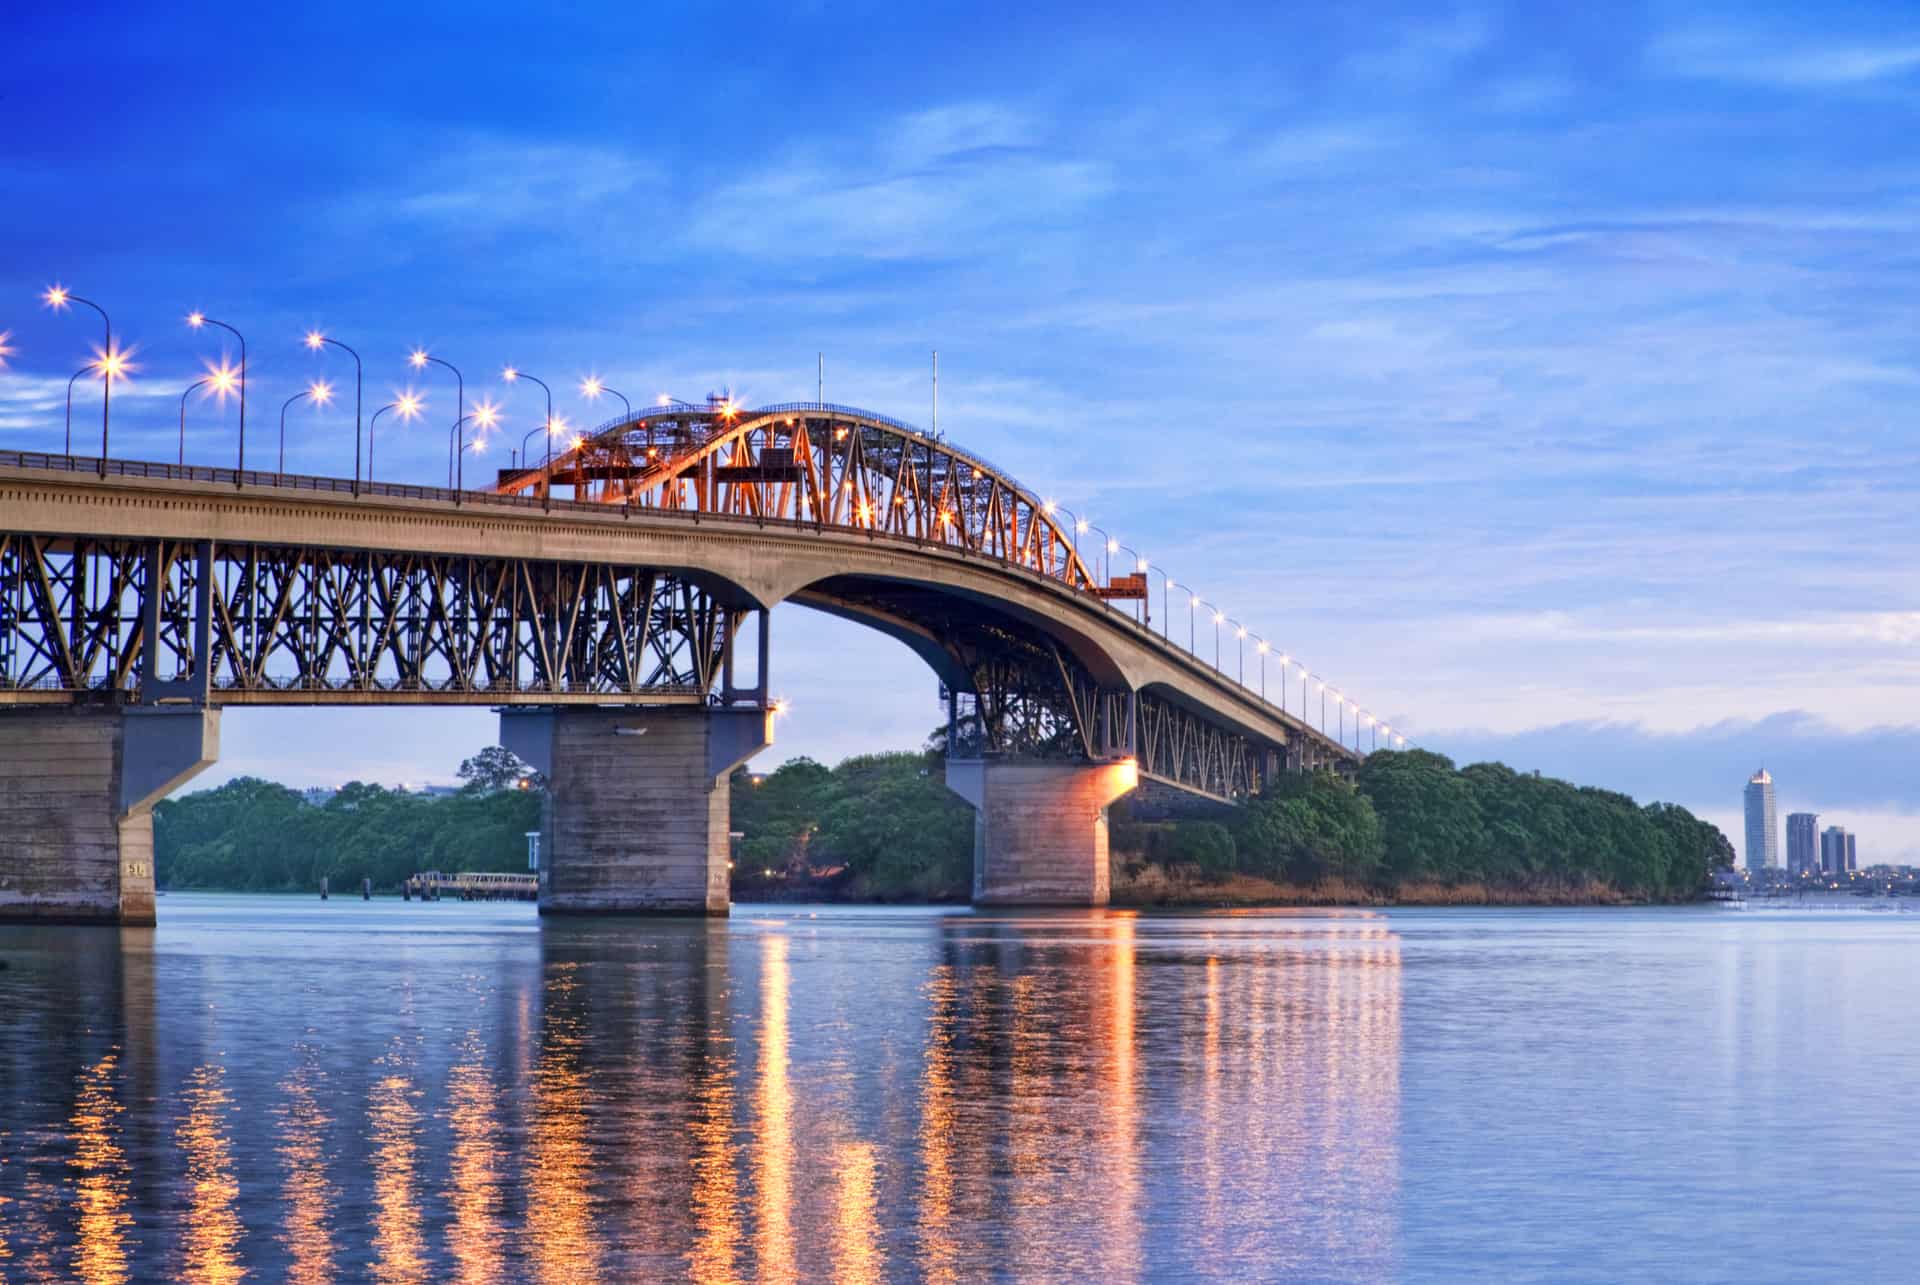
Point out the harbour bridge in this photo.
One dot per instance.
(612, 603)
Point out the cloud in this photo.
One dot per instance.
(1781, 59)
(938, 183)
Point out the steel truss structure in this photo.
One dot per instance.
(832, 466)
(1012, 692)
(152, 620)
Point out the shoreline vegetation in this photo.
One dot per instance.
(1410, 829)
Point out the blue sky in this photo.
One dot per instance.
(1543, 378)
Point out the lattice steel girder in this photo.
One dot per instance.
(829, 466)
(278, 624)
(1014, 692)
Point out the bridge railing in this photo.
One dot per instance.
(269, 479)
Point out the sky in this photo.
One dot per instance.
(1541, 376)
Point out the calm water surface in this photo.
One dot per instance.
(283, 1089)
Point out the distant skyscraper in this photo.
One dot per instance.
(1803, 843)
(1763, 829)
(1853, 852)
(1834, 842)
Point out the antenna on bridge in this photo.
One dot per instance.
(822, 391)
(936, 392)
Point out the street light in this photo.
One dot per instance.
(1261, 647)
(486, 415)
(546, 489)
(591, 388)
(550, 428)
(223, 378)
(409, 404)
(198, 319)
(1240, 633)
(319, 392)
(58, 297)
(182, 459)
(317, 341)
(418, 359)
(84, 370)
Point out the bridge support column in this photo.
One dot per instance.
(637, 817)
(1040, 829)
(77, 789)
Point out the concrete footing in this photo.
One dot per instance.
(1040, 829)
(637, 806)
(77, 789)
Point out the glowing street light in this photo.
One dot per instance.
(591, 388)
(219, 381)
(196, 320)
(511, 375)
(408, 405)
(6, 347)
(484, 416)
(317, 341)
(319, 392)
(58, 298)
(419, 359)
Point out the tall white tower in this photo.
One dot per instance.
(1763, 831)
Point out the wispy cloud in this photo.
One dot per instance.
(1790, 60)
(939, 183)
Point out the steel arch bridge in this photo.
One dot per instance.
(621, 571)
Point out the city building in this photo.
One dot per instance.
(1763, 828)
(1835, 844)
(1853, 853)
(1803, 843)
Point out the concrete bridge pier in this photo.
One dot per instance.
(76, 806)
(1040, 828)
(637, 818)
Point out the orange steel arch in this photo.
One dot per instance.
(814, 464)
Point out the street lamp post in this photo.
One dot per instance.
(1260, 645)
(76, 374)
(182, 458)
(58, 297)
(419, 359)
(316, 341)
(199, 319)
(320, 392)
(486, 415)
(409, 407)
(1240, 634)
(223, 378)
(546, 490)
(591, 388)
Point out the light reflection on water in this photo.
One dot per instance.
(281, 1090)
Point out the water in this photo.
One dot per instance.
(305, 1091)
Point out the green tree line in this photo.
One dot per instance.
(253, 835)
(1412, 816)
(886, 826)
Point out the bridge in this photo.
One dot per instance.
(612, 603)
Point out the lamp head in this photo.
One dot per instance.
(196, 319)
(56, 297)
(417, 358)
(319, 392)
(590, 388)
(315, 340)
(509, 374)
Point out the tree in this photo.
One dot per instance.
(493, 768)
